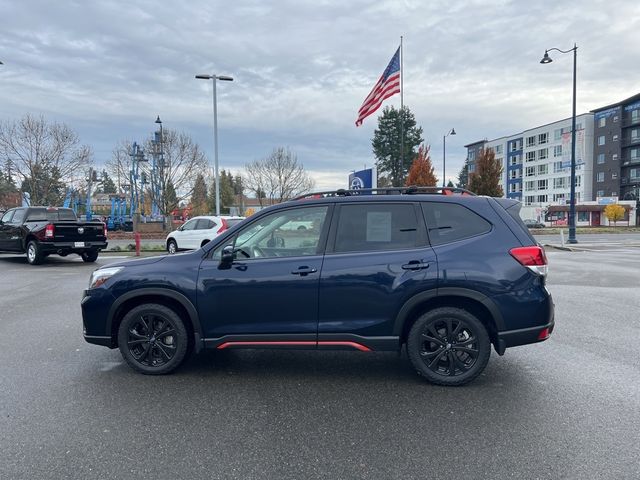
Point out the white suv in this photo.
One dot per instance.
(198, 231)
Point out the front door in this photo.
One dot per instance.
(595, 219)
(5, 228)
(272, 285)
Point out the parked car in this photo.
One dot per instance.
(533, 223)
(43, 231)
(447, 276)
(199, 231)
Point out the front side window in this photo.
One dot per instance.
(287, 233)
(375, 227)
(450, 222)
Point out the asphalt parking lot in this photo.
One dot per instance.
(566, 408)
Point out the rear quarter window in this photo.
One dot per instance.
(450, 222)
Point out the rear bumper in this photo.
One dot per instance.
(70, 247)
(524, 336)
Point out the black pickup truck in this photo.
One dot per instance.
(42, 231)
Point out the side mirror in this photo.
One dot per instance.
(227, 256)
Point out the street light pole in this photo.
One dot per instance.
(215, 129)
(572, 195)
(444, 154)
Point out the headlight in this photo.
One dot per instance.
(102, 275)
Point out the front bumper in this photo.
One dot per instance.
(96, 305)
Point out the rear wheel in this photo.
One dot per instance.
(172, 246)
(89, 256)
(448, 346)
(34, 253)
(152, 339)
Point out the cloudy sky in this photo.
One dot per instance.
(302, 69)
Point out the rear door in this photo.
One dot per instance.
(378, 257)
(5, 227)
(13, 231)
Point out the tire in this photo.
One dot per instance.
(34, 253)
(172, 246)
(152, 339)
(448, 346)
(89, 256)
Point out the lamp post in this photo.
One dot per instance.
(224, 78)
(572, 196)
(444, 154)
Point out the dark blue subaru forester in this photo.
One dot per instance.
(442, 271)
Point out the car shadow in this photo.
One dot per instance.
(48, 261)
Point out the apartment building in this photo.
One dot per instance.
(616, 150)
(537, 162)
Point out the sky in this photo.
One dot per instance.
(301, 70)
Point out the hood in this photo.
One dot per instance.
(138, 262)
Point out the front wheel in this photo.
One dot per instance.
(89, 256)
(34, 253)
(152, 339)
(448, 346)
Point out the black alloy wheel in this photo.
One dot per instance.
(449, 346)
(152, 339)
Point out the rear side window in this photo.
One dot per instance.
(205, 224)
(7, 216)
(373, 227)
(18, 217)
(450, 222)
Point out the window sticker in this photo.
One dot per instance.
(378, 226)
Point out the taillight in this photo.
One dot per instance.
(532, 257)
(49, 230)
(223, 227)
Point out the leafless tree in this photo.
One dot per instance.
(176, 169)
(277, 177)
(119, 165)
(42, 156)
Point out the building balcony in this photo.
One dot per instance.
(631, 161)
(627, 142)
(629, 122)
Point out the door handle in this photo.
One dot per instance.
(415, 265)
(304, 271)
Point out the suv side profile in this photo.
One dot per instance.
(439, 270)
(198, 231)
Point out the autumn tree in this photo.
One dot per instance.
(277, 177)
(199, 197)
(42, 156)
(614, 212)
(421, 173)
(393, 157)
(485, 180)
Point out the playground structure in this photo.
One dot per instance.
(125, 214)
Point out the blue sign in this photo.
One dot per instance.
(361, 179)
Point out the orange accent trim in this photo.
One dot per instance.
(355, 345)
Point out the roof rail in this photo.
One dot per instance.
(411, 190)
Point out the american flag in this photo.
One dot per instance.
(388, 85)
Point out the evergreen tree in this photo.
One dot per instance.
(422, 173)
(463, 176)
(44, 186)
(485, 180)
(228, 188)
(107, 184)
(450, 184)
(387, 145)
(199, 200)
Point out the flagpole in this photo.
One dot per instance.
(401, 107)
